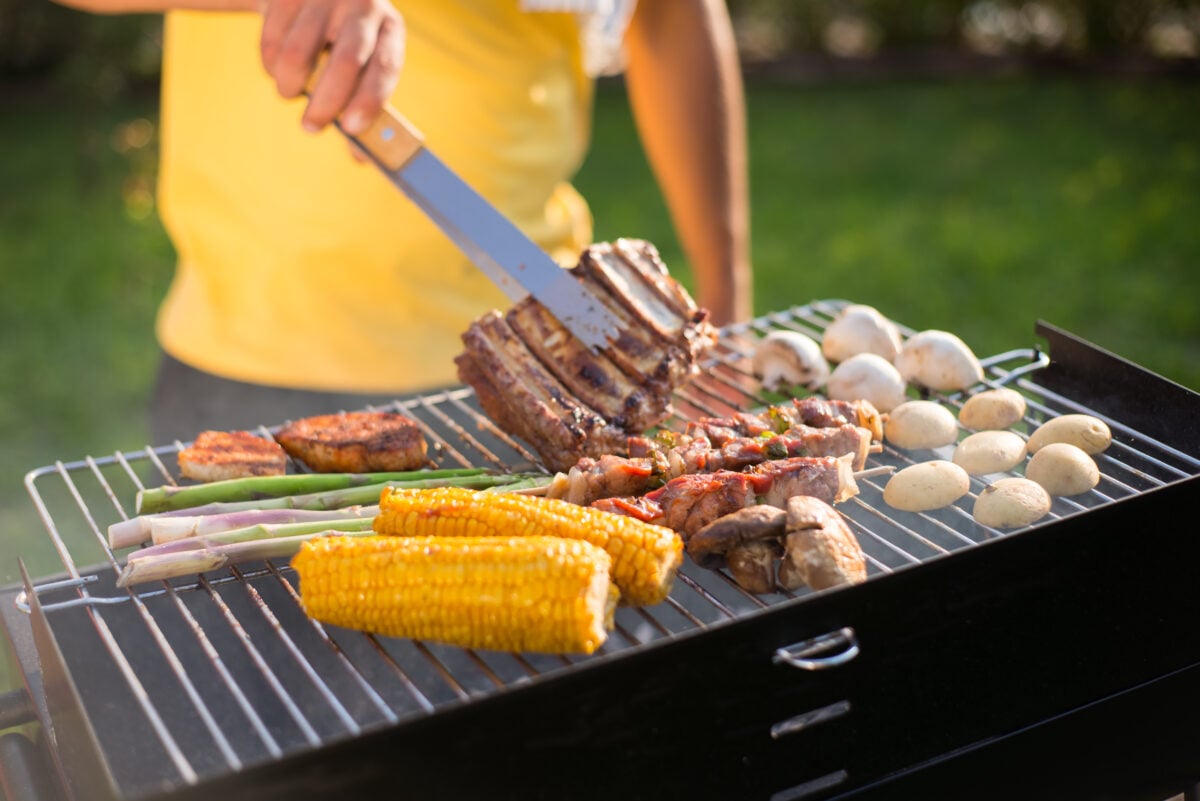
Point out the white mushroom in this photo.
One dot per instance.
(939, 361)
(860, 329)
(870, 377)
(784, 359)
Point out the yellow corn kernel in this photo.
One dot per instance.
(645, 556)
(541, 594)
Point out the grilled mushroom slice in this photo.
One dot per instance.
(784, 359)
(820, 549)
(745, 541)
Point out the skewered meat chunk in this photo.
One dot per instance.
(825, 477)
(355, 442)
(823, 413)
(590, 479)
(690, 502)
(541, 594)
(541, 384)
(804, 412)
(222, 455)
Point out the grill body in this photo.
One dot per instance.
(966, 653)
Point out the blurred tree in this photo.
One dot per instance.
(770, 28)
(97, 57)
(83, 54)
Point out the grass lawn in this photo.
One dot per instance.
(976, 206)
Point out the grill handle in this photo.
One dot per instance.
(813, 653)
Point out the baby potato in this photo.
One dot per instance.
(1085, 432)
(920, 424)
(1063, 469)
(989, 452)
(926, 485)
(1011, 503)
(992, 409)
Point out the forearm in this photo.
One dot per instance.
(686, 92)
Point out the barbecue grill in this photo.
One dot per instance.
(1057, 660)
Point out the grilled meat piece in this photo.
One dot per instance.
(662, 331)
(539, 383)
(626, 402)
(820, 550)
(608, 477)
(858, 421)
(524, 398)
(590, 479)
(689, 503)
(632, 506)
(355, 442)
(826, 477)
(221, 455)
(822, 413)
(719, 430)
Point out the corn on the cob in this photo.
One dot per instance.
(644, 556)
(540, 594)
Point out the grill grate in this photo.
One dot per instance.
(192, 679)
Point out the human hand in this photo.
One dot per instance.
(365, 42)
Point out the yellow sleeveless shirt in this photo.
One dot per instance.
(300, 267)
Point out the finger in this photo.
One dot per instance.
(341, 76)
(278, 17)
(378, 79)
(298, 51)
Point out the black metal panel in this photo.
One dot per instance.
(964, 650)
(1120, 389)
(1139, 745)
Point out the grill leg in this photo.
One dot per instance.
(15, 709)
(23, 775)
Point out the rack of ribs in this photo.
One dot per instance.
(536, 381)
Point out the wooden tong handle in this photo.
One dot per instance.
(390, 138)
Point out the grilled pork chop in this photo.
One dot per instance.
(538, 382)
(220, 455)
(355, 442)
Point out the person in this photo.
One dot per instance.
(306, 283)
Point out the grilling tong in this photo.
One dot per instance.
(497, 247)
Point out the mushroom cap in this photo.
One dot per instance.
(785, 359)
(870, 377)
(938, 360)
(860, 329)
(709, 545)
(820, 548)
(752, 565)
